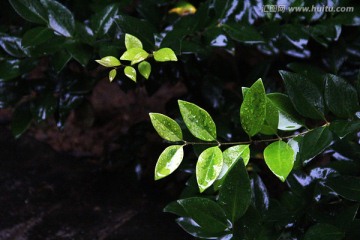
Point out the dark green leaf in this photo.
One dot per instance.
(21, 119)
(169, 161)
(176, 208)
(102, 21)
(79, 52)
(340, 96)
(208, 167)
(166, 127)
(324, 232)
(346, 186)
(9, 69)
(198, 121)
(235, 194)
(213, 221)
(305, 96)
(12, 46)
(36, 36)
(60, 59)
(243, 33)
(314, 143)
(260, 194)
(253, 109)
(191, 227)
(279, 157)
(343, 127)
(60, 19)
(30, 10)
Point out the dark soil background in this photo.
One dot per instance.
(90, 181)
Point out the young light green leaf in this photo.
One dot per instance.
(130, 72)
(253, 108)
(112, 74)
(134, 55)
(132, 42)
(166, 127)
(198, 121)
(109, 61)
(279, 157)
(144, 69)
(235, 194)
(230, 156)
(164, 55)
(208, 167)
(340, 96)
(169, 160)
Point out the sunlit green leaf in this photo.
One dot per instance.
(112, 74)
(134, 55)
(279, 157)
(164, 55)
(109, 61)
(253, 109)
(130, 72)
(132, 42)
(235, 194)
(208, 167)
(198, 121)
(166, 127)
(169, 161)
(271, 122)
(145, 69)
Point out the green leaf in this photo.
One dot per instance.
(289, 119)
(134, 55)
(60, 19)
(305, 96)
(198, 121)
(9, 69)
(314, 143)
(243, 33)
(175, 208)
(164, 55)
(36, 36)
(343, 127)
(132, 42)
(340, 96)
(213, 221)
(130, 72)
(346, 186)
(271, 122)
(323, 231)
(112, 74)
(166, 127)
(12, 46)
(80, 52)
(109, 61)
(279, 157)
(208, 167)
(192, 228)
(145, 69)
(230, 156)
(235, 194)
(31, 11)
(102, 21)
(253, 109)
(60, 59)
(169, 161)
(21, 119)
(260, 194)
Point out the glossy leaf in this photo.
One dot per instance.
(130, 72)
(323, 231)
(260, 195)
(243, 33)
(164, 55)
(134, 55)
(169, 161)
(208, 167)
(12, 46)
(198, 121)
(132, 42)
(60, 19)
(230, 156)
(36, 36)
(343, 127)
(213, 221)
(21, 120)
(31, 11)
(235, 194)
(346, 186)
(340, 96)
(145, 69)
(253, 109)
(176, 208)
(194, 229)
(102, 21)
(305, 96)
(166, 127)
(109, 61)
(314, 143)
(279, 157)
(271, 122)
(112, 74)
(80, 52)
